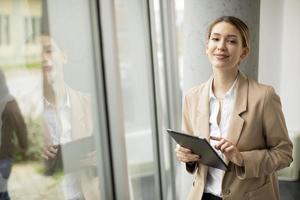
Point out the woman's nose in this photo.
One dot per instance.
(221, 45)
(46, 56)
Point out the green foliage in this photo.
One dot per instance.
(35, 64)
(57, 176)
(35, 141)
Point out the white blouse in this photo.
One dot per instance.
(215, 176)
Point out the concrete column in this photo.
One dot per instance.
(197, 17)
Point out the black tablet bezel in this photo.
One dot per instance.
(182, 134)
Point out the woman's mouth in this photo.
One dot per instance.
(221, 56)
(47, 68)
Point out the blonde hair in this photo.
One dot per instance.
(238, 24)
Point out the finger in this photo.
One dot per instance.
(183, 160)
(177, 148)
(52, 149)
(187, 160)
(224, 146)
(221, 142)
(215, 138)
(45, 156)
(183, 149)
(187, 157)
(49, 154)
(228, 149)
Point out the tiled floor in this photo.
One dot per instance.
(289, 190)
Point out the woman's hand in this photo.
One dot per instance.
(185, 155)
(229, 150)
(50, 152)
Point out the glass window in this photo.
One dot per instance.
(5, 30)
(48, 104)
(1, 30)
(135, 65)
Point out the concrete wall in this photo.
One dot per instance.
(197, 17)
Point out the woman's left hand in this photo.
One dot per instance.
(229, 150)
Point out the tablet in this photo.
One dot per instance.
(75, 152)
(200, 147)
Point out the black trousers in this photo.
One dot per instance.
(4, 196)
(208, 196)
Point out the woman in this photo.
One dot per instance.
(67, 122)
(241, 118)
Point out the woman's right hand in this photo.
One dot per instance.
(50, 152)
(185, 155)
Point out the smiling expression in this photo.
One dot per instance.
(224, 47)
(52, 60)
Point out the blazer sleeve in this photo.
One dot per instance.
(278, 151)
(187, 127)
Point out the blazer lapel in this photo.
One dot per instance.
(203, 112)
(77, 115)
(237, 122)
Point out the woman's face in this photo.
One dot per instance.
(52, 59)
(224, 47)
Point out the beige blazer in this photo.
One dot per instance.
(257, 127)
(82, 126)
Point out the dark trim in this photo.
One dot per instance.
(156, 138)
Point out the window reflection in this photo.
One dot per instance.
(67, 116)
(55, 120)
(12, 126)
(5, 30)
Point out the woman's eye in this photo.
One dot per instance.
(215, 39)
(232, 41)
(48, 52)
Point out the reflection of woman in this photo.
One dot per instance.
(241, 118)
(67, 119)
(11, 121)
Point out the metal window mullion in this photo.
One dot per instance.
(171, 76)
(114, 99)
(170, 51)
(150, 35)
(104, 162)
(161, 110)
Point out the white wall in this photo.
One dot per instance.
(290, 68)
(278, 64)
(270, 42)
